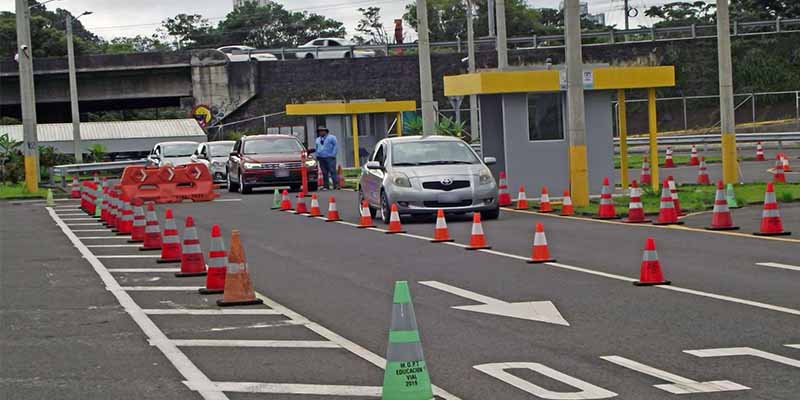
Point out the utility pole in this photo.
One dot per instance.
(627, 11)
(425, 79)
(492, 19)
(730, 172)
(27, 96)
(473, 99)
(576, 123)
(502, 45)
(73, 95)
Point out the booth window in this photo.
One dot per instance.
(366, 124)
(545, 117)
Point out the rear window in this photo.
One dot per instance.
(178, 150)
(220, 149)
(272, 146)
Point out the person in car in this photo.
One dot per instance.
(326, 156)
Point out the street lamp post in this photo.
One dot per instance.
(73, 90)
(426, 82)
(27, 97)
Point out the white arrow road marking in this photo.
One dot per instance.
(679, 384)
(778, 265)
(542, 311)
(287, 388)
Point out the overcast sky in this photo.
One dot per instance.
(113, 18)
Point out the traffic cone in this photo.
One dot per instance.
(784, 161)
(540, 252)
(315, 211)
(139, 223)
(606, 209)
(522, 199)
(286, 204)
(238, 287)
(406, 376)
(276, 200)
(478, 240)
(693, 160)
(320, 180)
(170, 241)
(217, 264)
(668, 163)
(702, 173)
(300, 207)
(98, 202)
(192, 261)
(760, 152)
(125, 226)
(340, 177)
(650, 273)
(721, 219)
(75, 193)
(49, 202)
(779, 176)
(566, 205)
(116, 221)
(666, 213)
(112, 213)
(333, 212)
(441, 233)
(635, 209)
(152, 232)
(104, 207)
(94, 178)
(673, 190)
(730, 196)
(771, 224)
(394, 221)
(366, 217)
(645, 176)
(503, 197)
(544, 201)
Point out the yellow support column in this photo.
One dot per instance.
(399, 126)
(653, 124)
(356, 159)
(31, 174)
(622, 124)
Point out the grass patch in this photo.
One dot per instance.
(635, 160)
(19, 191)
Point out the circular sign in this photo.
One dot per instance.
(202, 114)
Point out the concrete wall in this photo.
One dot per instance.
(492, 141)
(599, 137)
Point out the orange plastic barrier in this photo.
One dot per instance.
(168, 184)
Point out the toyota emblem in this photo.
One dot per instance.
(447, 181)
(281, 165)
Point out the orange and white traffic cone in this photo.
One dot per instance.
(778, 176)
(320, 179)
(635, 209)
(75, 193)
(315, 210)
(784, 160)
(702, 173)
(152, 232)
(503, 197)
(238, 286)
(566, 205)
(333, 212)
(217, 264)
(650, 272)
(394, 221)
(477, 240)
(771, 224)
(286, 203)
(721, 219)
(441, 233)
(544, 201)
(366, 217)
(668, 163)
(693, 160)
(645, 176)
(104, 205)
(112, 210)
(606, 209)
(170, 241)
(760, 152)
(540, 252)
(673, 190)
(125, 226)
(522, 199)
(192, 261)
(340, 177)
(666, 213)
(300, 206)
(139, 222)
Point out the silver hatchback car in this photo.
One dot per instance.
(424, 174)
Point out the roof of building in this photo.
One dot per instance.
(118, 130)
(353, 107)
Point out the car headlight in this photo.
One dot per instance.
(218, 163)
(401, 180)
(486, 177)
(311, 163)
(252, 165)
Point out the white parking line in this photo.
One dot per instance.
(72, 215)
(85, 224)
(301, 344)
(131, 256)
(779, 265)
(290, 388)
(144, 270)
(101, 237)
(112, 245)
(160, 288)
(78, 219)
(90, 230)
(222, 311)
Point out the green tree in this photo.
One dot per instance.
(371, 26)
(683, 13)
(186, 29)
(137, 44)
(48, 33)
(764, 9)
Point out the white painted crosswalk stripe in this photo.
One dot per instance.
(160, 288)
(779, 265)
(112, 245)
(289, 388)
(132, 256)
(302, 344)
(101, 237)
(144, 270)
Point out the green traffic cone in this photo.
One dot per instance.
(276, 200)
(406, 376)
(50, 202)
(731, 197)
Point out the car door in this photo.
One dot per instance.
(373, 178)
(331, 53)
(234, 160)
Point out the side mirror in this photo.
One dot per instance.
(373, 165)
(489, 160)
(312, 151)
(233, 154)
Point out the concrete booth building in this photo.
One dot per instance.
(358, 125)
(524, 114)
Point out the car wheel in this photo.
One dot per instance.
(385, 211)
(347, 55)
(243, 187)
(491, 214)
(232, 187)
(309, 57)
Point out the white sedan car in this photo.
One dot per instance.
(245, 53)
(332, 48)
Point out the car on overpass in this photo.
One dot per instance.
(269, 160)
(246, 53)
(333, 48)
(424, 174)
(214, 155)
(171, 153)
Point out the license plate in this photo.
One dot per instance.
(448, 198)
(281, 173)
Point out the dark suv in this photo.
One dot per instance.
(269, 160)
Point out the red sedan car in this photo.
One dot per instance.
(269, 160)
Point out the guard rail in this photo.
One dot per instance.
(63, 170)
(715, 138)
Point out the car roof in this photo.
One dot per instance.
(261, 137)
(222, 142)
(416, 138)
(177, 142)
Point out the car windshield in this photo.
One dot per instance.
(178, 150)
(272, 146)
(432, 153)
(220, 149)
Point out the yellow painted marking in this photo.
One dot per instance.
(356, 158)
(730, 167)
(30, 174)
(634, 77)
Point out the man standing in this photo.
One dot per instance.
(326, 155)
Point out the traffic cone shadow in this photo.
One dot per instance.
(238, 286)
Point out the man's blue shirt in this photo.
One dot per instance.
(326, 146)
